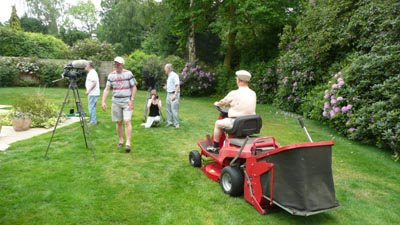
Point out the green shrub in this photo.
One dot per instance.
(91, 49)
(362, 40)
(49, 72)
(264, 81)
(44, 113)
(8, 73)
(225, 80)
(138, 62)
(25, 44)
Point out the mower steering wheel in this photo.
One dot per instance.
(222, 110)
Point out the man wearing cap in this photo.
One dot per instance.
(92, 91)
(123, 85)
(242, 102)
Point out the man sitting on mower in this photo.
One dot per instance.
(242, 102)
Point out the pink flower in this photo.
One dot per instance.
(326, 96)
(336, 109)
(334, 86)
(333, 101)
(344, 109)
(325, 114)
(340, 98)
(326, 105)
(340, 82)
(351, 130)
(349, 106)
(332, 113)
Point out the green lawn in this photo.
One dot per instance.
(155, 184)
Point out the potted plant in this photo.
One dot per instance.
(21, 121)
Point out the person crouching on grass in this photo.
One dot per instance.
(123, 85)
(153, 107)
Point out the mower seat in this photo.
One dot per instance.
(245, 126)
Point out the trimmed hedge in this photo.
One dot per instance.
(25, 44)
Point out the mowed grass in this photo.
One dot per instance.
(155, 184)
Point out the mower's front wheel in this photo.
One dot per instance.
(195, 158)
(232, 181)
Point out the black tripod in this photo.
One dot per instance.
(85, 129)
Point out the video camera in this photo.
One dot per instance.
(75, 69)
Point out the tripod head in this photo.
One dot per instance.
(73, 70)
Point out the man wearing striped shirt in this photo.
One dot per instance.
(123, 85)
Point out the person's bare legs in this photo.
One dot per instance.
(128, 131)
(120, 132)
(217, 132)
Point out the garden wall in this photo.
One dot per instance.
(37, 72)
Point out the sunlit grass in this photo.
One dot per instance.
(154, 184)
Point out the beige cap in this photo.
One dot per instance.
(119, 60)
(243, 75)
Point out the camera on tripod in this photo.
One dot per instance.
(75, 69)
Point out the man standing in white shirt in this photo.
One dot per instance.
(172, 101)
(92, 91)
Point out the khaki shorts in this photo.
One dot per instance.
(225, 123)
(120, 111)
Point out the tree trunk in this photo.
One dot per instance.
(231, 37)
(191, 45)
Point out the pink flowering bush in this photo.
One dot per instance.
(195, 81)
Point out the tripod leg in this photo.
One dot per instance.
(85, 128)
(81, 112)
(58, 120)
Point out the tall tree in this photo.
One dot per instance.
(85, 12)
(191, 36)
(123, 23)
(251, 28)
(33, 25)
(50, 12)
(15, 23)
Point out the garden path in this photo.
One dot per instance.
(9, 136)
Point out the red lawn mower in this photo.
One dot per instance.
(297, 177)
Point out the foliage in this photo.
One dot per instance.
(138, 62)
(92, 49)
(27, 44)
(128, 18)
(85, 13)
(361, 40)
(34, 25)
(14, 22)
(70, 36)
(38, 108)
(8, 73)
(225, 80)
(197, 80)
(48, 11)
(264, 81)
(50, 71)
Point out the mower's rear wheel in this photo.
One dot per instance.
(232, 181)
(195, 158)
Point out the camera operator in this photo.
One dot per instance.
(123, 85)
(92, 91)
(154, 107)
